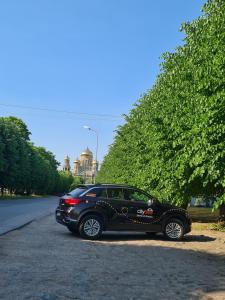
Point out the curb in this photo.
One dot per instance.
(9, 228)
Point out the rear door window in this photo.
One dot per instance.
(97, 192)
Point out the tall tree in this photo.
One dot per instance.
(173, 140)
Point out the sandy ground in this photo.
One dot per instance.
(44, 261)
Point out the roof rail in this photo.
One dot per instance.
(116, 184)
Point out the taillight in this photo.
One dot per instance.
(72, 201)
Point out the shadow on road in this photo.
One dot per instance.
(198, 238)
(129, 236)
(132, 237)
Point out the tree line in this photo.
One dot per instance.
(26, 168)
(173, 140)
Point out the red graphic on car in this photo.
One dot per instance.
(145, 213)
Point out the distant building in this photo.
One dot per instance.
(85, 166)
(66, 165)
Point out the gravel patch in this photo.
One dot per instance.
(44, 261)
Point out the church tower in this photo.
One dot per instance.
(76, 164)
(85, 167)
(95, 167)
(86, 159)
(66, 165)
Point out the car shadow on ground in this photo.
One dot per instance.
(108, 236)
(111, 236)
(198, 238)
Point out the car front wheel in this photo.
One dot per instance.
(174, 229)
(91, 227)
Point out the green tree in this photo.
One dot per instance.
(64, 182)
(173, 141)
(21, 126)
(76, 181)
(24, 168)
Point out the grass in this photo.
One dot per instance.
(220, 226)
(202, 226)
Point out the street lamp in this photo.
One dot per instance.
(96, 153)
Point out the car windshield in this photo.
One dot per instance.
(78, 191)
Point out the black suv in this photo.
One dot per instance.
(91, 209)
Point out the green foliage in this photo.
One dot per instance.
(21, 126)
(64, 181)
(25, 168)
(76, 181)
(173, 141)
(220, 226)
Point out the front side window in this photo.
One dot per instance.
(135, 195)
(115, 193)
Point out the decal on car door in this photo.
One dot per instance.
(148, 213)
(144, 213)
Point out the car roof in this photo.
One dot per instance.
(106, 185)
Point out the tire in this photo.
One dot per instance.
(91, 227)
(174, 229)
(73, 229)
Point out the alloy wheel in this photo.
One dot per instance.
(91, 227)
(173, 230)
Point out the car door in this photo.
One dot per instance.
(118, 208)
(143, 211)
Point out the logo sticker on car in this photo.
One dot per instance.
(145, 213)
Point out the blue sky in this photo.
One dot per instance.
(88, 56)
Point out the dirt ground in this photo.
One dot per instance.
(44, 261)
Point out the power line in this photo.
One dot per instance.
(81, 114)
(52, 116)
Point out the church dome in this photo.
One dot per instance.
(87, 152)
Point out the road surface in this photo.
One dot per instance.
(16, 213)
(44, 261)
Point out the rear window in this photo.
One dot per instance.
(78, 191)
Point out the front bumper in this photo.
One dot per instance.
(188, 229)
(188, 226)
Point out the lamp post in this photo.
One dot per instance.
(96, 152)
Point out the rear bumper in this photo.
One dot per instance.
(62, 218)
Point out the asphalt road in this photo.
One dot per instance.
(16, 213)
(44, 261)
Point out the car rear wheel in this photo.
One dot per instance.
(174, 229)
(91, 227)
